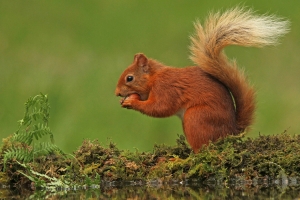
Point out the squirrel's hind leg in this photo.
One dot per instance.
(200, 126)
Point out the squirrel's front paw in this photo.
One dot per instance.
(128, 101)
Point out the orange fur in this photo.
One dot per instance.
(212, 99)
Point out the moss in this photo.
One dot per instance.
(232, 159)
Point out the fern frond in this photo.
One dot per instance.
(20, 154)
(36, 108)
(24, 137)
(31, 128)
(39, 130)
(44, 148)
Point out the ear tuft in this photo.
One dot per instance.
(141, 60)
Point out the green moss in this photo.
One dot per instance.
(232, 158)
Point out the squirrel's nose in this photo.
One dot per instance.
(117, 92)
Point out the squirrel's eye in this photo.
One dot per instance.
(129, 78)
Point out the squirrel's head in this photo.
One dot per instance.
(135, 79)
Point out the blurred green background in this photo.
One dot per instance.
(74, 51)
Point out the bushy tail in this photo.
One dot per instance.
(234, 27)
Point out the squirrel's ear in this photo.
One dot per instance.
(141, 60)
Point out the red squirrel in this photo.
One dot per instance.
(213, 99)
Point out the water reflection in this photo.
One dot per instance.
(167, 191)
